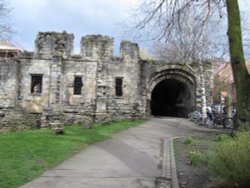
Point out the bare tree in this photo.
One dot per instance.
(160, 17)
(5, 27)
(144, 54)
(245, 32)
(190, 43)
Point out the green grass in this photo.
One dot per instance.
(192, 157)
(188, 141)
(26, 155)
(197, 148)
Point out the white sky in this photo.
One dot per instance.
(80, 17)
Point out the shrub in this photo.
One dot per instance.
(230, 163)
(195, 157)
(188, 141)
(222, 138)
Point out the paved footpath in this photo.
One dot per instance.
(135, 158)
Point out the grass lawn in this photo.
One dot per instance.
(26, 155)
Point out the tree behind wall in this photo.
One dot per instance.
(5, 27)
(190, 41)
(164, 15)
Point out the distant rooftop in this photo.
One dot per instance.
(8, 50)
(225, 71)
(7, 45)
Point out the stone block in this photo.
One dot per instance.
(57, 127)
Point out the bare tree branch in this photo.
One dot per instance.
(186, 21)
(5, 27)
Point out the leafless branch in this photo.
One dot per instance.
(5, 27)
(180, 24)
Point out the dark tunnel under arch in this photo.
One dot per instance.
(170, 97)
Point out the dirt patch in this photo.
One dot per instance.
(191, 153)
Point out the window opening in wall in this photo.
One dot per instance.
(78, 85)
(118, 87)
(36, 83)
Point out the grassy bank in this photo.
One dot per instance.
(25, 155)
(192, 155)
(214, 160)
(230, 163)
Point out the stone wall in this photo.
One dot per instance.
(8, 83)
(97, 47)
(49, 44)
(17, 119)
(57, 69)
(122, 107)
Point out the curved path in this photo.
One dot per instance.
(133, 158)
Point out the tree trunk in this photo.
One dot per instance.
(240, 73)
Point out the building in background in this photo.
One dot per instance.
(224, 87)
(8, 50)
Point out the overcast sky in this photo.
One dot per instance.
(80, 17)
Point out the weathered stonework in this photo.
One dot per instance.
(17, 119)
(96, 69)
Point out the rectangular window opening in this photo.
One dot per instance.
(78, 85)
(118, 87)
(36, 83)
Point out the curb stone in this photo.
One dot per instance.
(168, 177)
(175, 181)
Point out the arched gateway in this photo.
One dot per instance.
(95, 85)
(172, 91)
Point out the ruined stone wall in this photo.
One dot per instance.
(54, 63)
(48, 44)
(129, 104)
(97, 69)
(76, 106)
(204, 78)
(209, 79)
(34, 102)
(8, 83)
(97, 47)
(17, 119)
(109, 68)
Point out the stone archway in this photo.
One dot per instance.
(170, 97)
(172, 92)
